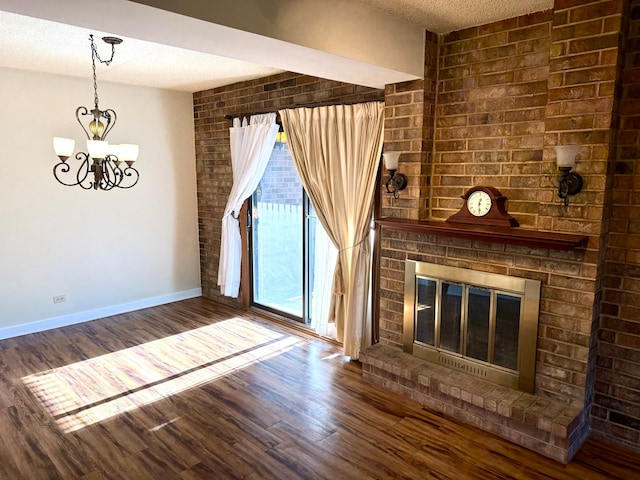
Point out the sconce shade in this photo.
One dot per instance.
(570, 182)
(391, 160)
(566, 156)
(63, 146)
(128, 152)
(97, 148)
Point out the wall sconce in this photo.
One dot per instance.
(570, 182)
(397, 181)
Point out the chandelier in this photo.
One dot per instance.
(111, 165)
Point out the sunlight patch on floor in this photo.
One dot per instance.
(332, 356)
(87, 392)
(162, 425)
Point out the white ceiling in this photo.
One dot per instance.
(443, 16)
(31, 43)
(34, 44)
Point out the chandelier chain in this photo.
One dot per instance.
(94, 55)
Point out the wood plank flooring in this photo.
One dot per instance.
(193, 390)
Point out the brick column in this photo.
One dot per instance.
(409, 128)
(584, 68)
(616, 409)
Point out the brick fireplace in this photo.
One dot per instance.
(494, 102)
(552, 419)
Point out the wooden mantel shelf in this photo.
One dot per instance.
(511, 236)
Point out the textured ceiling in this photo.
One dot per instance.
(443, 16)
(35, 44)
(30, 43)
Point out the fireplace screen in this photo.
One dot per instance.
(482, 323)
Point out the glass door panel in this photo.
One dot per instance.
(450, 314)
(277, 239)
(478, 323)
(425, 311)
(507, 330)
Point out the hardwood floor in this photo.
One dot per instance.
(193, 390)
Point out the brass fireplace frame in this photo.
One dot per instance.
(529, 290)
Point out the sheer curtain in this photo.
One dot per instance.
(336, 150)
(251, 146)
(324, 262)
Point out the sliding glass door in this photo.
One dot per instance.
(277, 234)
(292, 258)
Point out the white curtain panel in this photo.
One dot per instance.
(336, 150)
(251, 146)
(324, 263)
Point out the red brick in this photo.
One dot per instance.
(595, 10)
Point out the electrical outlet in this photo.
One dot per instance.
(59, 298)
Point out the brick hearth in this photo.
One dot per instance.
(549, 427)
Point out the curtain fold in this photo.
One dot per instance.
(336, 150)
(324, 261)
(251, 146)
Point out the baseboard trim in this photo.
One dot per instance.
(88, 315)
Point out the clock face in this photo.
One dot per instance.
(479, 203)
(484, 206)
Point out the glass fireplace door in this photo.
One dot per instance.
(466, 320)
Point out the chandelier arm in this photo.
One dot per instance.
(110, 171)
(80, 177)
(117, 172)
(113, 182)
(83, 171)
(82, 111)
(63, 168)
(111, 117)
(105, 184)
(130, 172)
(106, 171)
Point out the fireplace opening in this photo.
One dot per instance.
(481, 323)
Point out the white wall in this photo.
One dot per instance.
(106, 251)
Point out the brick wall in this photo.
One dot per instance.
(507, 93)
(409, 128)
(616, 410)
(213, 157)
(490, 114)
(280, 182)
(403, 129)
